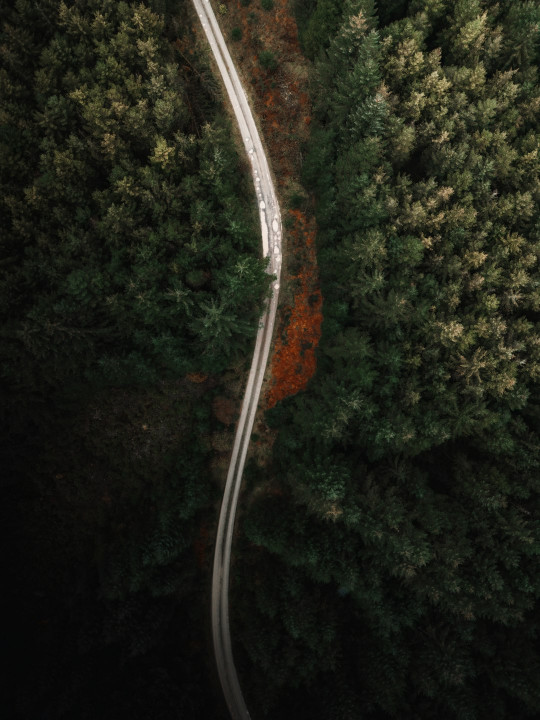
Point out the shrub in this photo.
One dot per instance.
(236, 34)
(267, 4)
(297, 200)
(267, 60)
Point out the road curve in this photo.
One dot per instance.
(271, 241)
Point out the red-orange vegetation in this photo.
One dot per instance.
(294, 360)
(283, 106)
(197, 377)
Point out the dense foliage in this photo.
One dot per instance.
(401, 530)
(389, 565)
(127, 253)
(131, 279)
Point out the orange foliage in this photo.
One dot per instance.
(283, 106)
(294, 360)
(197, 377)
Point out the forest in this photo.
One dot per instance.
(391, 569)
(386, 562)
(130, 292)
(396, 558)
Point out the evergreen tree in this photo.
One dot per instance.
(406, 476)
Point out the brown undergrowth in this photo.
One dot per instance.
(294, 360)
(282, 104)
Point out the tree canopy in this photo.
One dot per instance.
(127, 251)
(407, 491)
(131, 283)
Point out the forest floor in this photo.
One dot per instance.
(278, 94)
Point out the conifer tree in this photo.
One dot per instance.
(412, 459)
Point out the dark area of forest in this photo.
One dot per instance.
(131, 284)
(391, 568)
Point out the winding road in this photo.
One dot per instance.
(271, 241)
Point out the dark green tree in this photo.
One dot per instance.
(404, 483)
